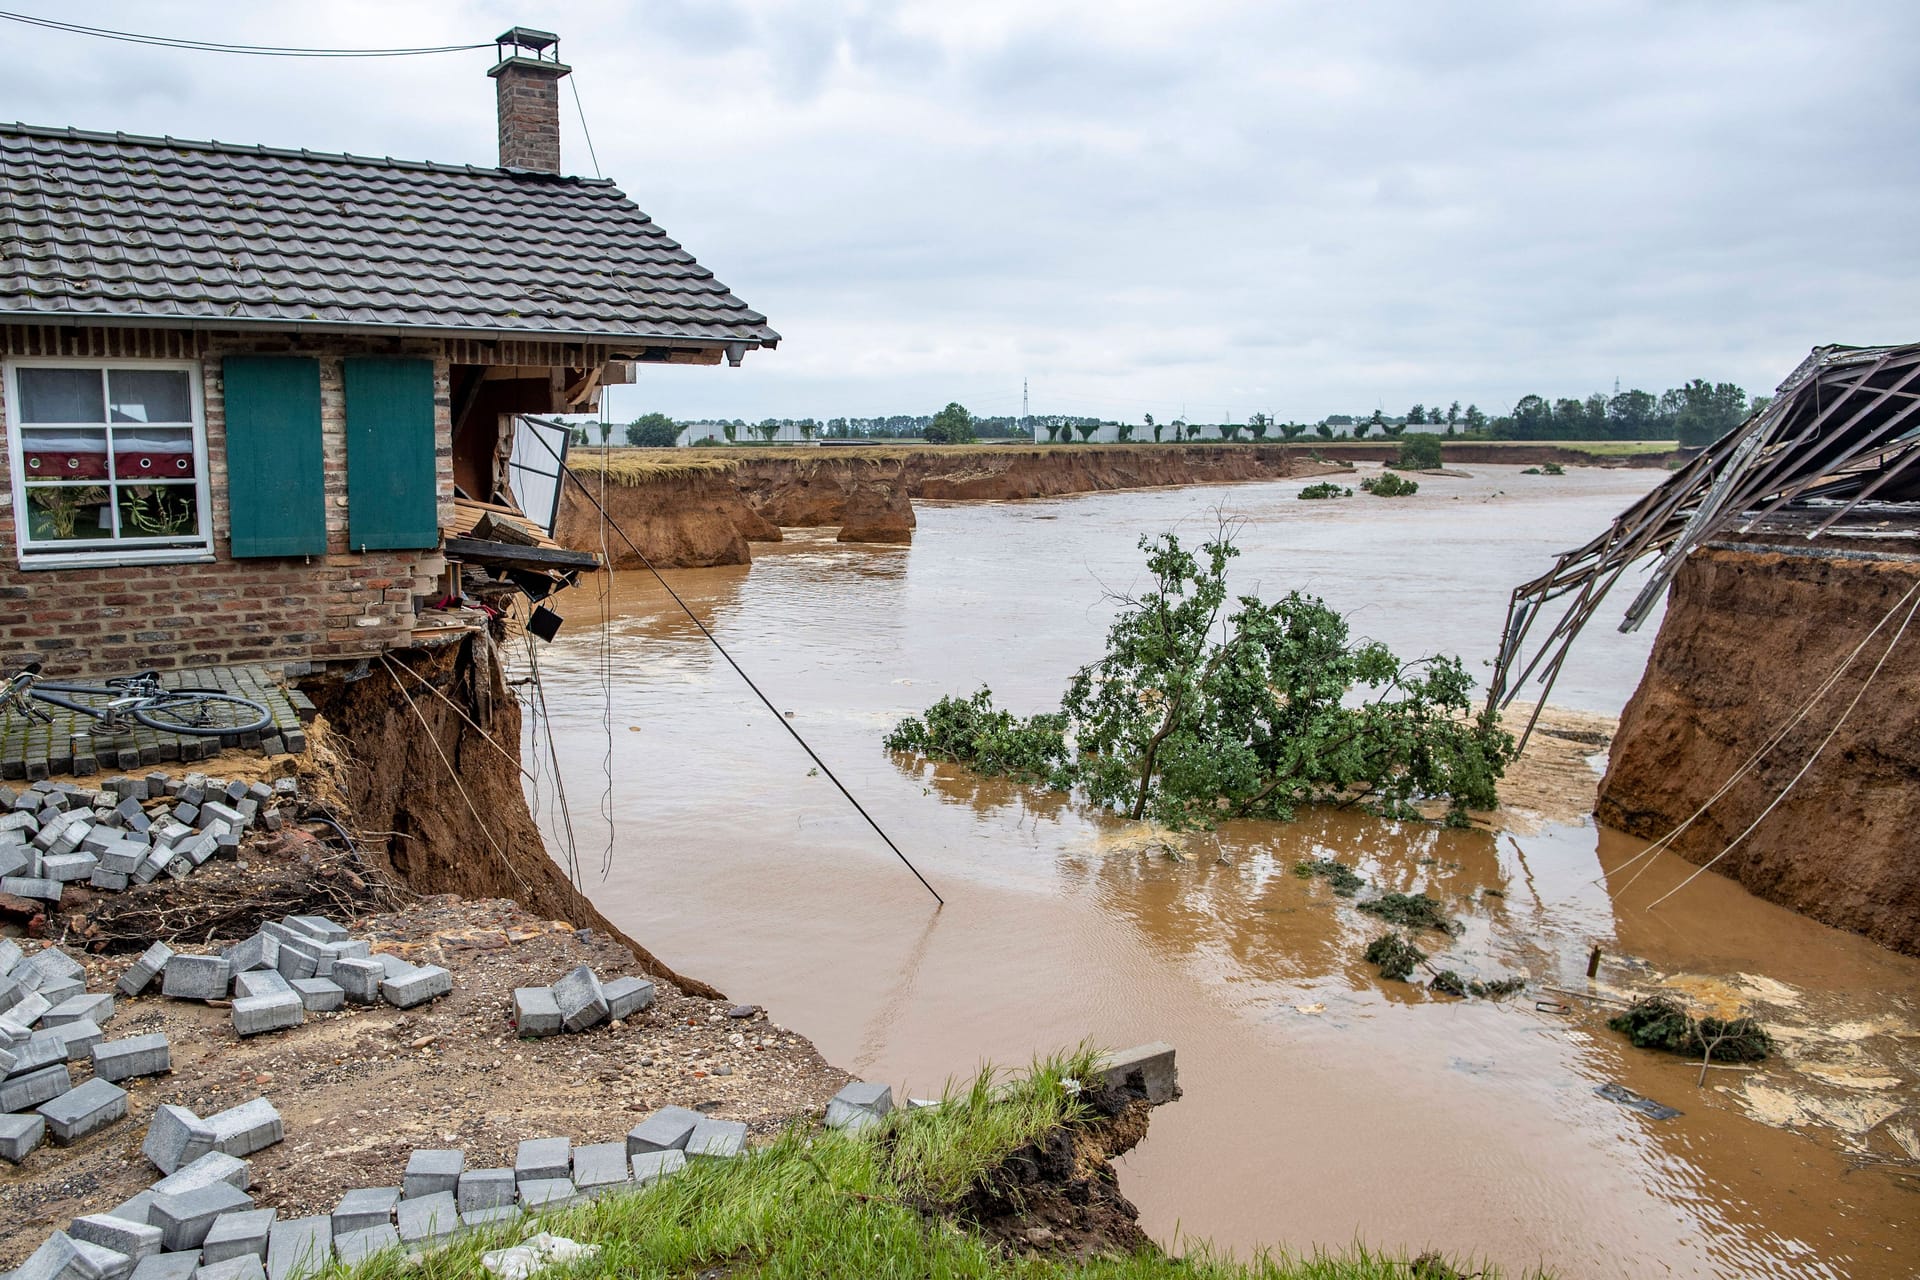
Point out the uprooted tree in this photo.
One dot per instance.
(1207, 706)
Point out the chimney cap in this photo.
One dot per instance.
(530, 39)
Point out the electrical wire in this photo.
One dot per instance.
(216, 46)
(573, 83)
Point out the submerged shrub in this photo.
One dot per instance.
(1389, 485)
(1345, 881)
(1449, 983)
(1656, 1022)
(1325, 489)
(973, 732)
(1411, 911)
(1395, 956)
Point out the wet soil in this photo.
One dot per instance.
(360, 1088)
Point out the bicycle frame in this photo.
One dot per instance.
(26, 688)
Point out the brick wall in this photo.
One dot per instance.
(296, 609)
(529, 100)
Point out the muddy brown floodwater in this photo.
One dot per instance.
(1323, 1105)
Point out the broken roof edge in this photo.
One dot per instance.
(22, 129)
(219, 324)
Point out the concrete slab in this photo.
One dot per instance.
(627, 996)
(319, 995)
(431, 1171)
(535, 1013)
(135, 1239)
(148, 1055)
(247, 1128)
(19, 1135)
(599, 1166)
(62, 1257)
(260, 982)
(665, 1130)
(360, 979)
(651, 1166)
(582, 1002)
(184, 1218)
(484, 1189)
(176, 1138)
(416, 988)
(420, 1219)
(1148, 1070)
(260, 951)
(299, 1247)
(716, 1139)
(364, 1207)
(319, 928)
(215, 1166)
(257, 1015)
(239, 1234)
(97, 1009)
(542, 1158)
(84, 1110)
(196, 978)
(24, 1093)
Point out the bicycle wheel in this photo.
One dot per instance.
(201, 711)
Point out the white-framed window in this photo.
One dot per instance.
(109, 462)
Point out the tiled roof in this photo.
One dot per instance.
(98, 226)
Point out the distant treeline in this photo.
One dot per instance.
(1694, 414)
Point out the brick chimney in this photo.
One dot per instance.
(528, 79)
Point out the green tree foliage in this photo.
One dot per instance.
(767, 429)
(653, 431)
(1419, 451)
(1208, 706)
(1360, 430)
(1709, 411)
(731, 431)
(1453, 413)
(1259, 424)
(952, 425)
(1389, 485)
(1325, 432)
(1230, 430)
(1292, 429)
(1476, 418)
(1324, 489)
(1417, 415)
(1086, 430)
(1053, 431)
(1126, 433)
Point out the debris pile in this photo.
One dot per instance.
(1657, 1022)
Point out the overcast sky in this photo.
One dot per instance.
(1211, 206)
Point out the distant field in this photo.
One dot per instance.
(1598, 448)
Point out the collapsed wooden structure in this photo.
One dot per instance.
(1838, 442)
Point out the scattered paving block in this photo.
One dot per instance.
(134, 1209)
(476, 1219)
(395, 966)
(1145, 1069)
(319, 928)
(359, 979)
(651, 1166)
(20, 1135)
(261, 951)
(582, 1002)
(196, 978)
(97, 1009)
(11, 1032)
(539, 1158)
(296, 958)
(430, 1172)
(716, 1139)
(239, 1234)
(176, 1138)
(250, 1127)
(135, 1239)
(24, 1093)
(36, 887)
(148, 1055)
(548, 1193)
(215, 1166)
(68, 867)
(420, 1219)
(84, 1110)
(28, 1010)
(167, 1266)
(364, 1207)
(245, 1267)
(665, 1130)
(76, 1039)
(256, 1015)
(104, 879)
(39, 1049)
(185, 1217)
(484, 1189)
(64, 1258)
(57, 991)
(356, 1245)
(15, 860)
(215, 811)
(418, 987)
(627, 996)
(261, 982)
(535, 1012)
(859, 1105)
(319, 995)
(598, 1166)
(299, 1247)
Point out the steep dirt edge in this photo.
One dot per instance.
(474, 836)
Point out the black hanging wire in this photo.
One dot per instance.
(567, 473)
(216, 46)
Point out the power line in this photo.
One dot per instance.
(215, 46)
(573, 83)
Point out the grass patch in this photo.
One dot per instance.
(645, 466)
(837, 1204)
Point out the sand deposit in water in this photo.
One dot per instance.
(1322, 1104)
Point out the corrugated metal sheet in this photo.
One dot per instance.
(111, 227)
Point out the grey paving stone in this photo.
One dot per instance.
(716, 1139)
(535, 1013)
(260, 951)
(215, 1166)
(10, 956)
(351, 949)
(257, 1015)
(134, 1209)
(395, 966)
(57, 991)
(360, 979)
(357, 1245)
(582, 1002)
(538, 1158)
(13, 1033)
(627, 996)
(598, 1166)
(167, 1266)
(16, 860)
(20, 1135)
(299, 1247)
(218, 811)
(651, 1166)
(416, 988)
(245, 1267)
(30, 1008)
(364, 1207)
(261, 982)
(239, 1234)
(135, 1239)
(196, 978)
(319, 995)
(296, 958)
(548, 1193)
(105, 879)
(38, 887)
(431, 1171)
(62, 1257)
(24, 1093)
(859, 1105)
(185, 1217)
(319, 928)
(143, 971)
(1147, 1068)
(83, 1110)
(484, 1189)
(247, 1128)
(475, 1219)
(68, 868)
(39, 1050)
(430, 1217)
(76, 1039)
(665, 1130)
(97, 1009)
(148, 1055)
(176, 1138)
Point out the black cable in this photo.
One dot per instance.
(567, 473)
(215, 46)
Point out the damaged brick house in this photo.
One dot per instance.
(257, 400)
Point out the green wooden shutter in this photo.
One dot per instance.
(276, 486)
(392, 502)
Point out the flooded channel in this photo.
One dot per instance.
(1322, 1105)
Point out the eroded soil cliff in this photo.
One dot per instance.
(1749, 634)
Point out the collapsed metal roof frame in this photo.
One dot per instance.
(1842, 430)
